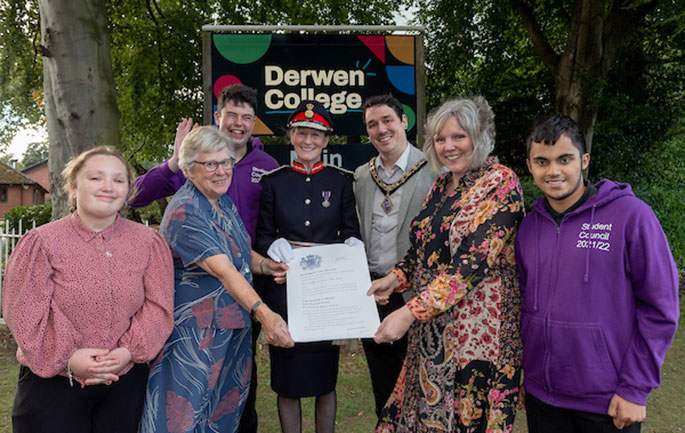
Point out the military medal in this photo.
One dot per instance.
(326, 195)
(388, 189)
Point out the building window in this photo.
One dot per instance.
(3, 195)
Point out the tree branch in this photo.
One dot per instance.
(622, 19)
(159, 46)
(545, 51)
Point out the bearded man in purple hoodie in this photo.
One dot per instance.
(236, 117)
(600, 292)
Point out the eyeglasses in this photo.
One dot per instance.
(211, 166)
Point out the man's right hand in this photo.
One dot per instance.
(382, 288)
(183, 129)
(625, 412)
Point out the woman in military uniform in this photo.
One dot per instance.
(302, 204)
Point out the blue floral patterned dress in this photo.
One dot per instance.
(201, 380)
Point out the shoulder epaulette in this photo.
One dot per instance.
(275, 170)
(340, 169)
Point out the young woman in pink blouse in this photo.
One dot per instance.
(89, 300)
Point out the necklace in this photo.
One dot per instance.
(388, 189)
(108, 246)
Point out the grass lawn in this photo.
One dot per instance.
(665, 409)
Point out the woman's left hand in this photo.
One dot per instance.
(394, 326)
(276, 270)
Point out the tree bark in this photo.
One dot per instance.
(596, 30)
(79, 93)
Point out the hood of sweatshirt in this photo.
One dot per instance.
(607, 192)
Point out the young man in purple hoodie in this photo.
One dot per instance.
(235, 117)
(600, 292)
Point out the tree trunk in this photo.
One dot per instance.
(80, 101)
(596, 30)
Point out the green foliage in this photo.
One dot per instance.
(481, 48)
(530, 192)
(40, 213)
(664, 190)
(151, 213)
(157, 56)
(35, 153)
(21, 79)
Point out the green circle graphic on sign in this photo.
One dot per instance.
(411, 116)
(242, 49)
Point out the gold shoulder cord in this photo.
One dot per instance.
(388, 189)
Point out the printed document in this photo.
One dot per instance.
(326, 294)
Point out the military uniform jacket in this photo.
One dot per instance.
(317, 207)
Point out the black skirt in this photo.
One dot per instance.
(306, 370)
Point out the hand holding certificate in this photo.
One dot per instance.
(326, 294)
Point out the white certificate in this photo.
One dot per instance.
(326, 294)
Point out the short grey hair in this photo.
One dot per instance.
(205, 139)
(475, 116)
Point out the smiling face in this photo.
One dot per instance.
(308, 144)
(387, 131)
(211, 184)
(236, 120)
(453, 147)
(100, 190)
(558, 171)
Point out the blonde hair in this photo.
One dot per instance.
(205, 139)
(74, 166)
(474, 116)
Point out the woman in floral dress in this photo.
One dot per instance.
(200, 384)
(461, 373)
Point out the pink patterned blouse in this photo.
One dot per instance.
(68, 287)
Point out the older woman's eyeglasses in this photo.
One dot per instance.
(211, 166)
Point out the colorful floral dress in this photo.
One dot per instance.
(201, 382)
(461, 373)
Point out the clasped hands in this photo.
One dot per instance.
(99, 366)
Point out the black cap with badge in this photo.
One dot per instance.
(311, 114)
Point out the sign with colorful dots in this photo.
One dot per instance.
(340, 70)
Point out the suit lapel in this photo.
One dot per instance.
(368, 189)
(408, 188)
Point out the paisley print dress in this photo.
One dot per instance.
(461, 373)
(200, 382)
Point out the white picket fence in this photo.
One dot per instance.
(8, 239)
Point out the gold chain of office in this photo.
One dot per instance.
(387, 188)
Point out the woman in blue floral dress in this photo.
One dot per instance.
(461, 373)
(200, 381)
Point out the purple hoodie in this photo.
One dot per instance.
(245, 188)
(600, 301)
